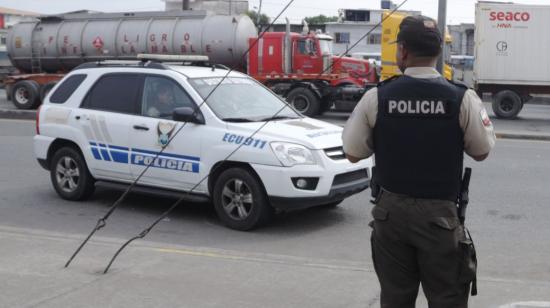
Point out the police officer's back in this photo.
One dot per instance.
(418, 125)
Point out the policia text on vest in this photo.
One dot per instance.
(418, 107)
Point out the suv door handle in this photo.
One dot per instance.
(141, 127)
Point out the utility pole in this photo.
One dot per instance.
(441, 22)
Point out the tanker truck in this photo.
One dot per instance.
(298, 66)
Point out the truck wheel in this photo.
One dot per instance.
(45, 89)
(507, 104)
(240, 200)
(70, 176)
(25, 94)
(304, 101)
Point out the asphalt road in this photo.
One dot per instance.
(312, 258)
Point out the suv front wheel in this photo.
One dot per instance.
(240, 200)
(70, 176)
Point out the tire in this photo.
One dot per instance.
(507, 104)
(68, 166)
(304, 101)
(45, 89)
(252, 209)
(25, 94)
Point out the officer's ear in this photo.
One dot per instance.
(402, 52)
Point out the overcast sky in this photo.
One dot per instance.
(457, 10)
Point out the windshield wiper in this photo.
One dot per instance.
(238, 120)
(278, 118)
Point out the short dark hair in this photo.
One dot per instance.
(420, 36)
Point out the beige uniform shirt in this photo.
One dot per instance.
(479, 135)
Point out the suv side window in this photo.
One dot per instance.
(66, 89)
(115, 93)
(161, 96)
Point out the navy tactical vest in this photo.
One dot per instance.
(418, 142)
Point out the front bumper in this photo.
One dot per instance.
(337, 180)
(337, 193)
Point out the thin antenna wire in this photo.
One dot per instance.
(103, 220)
(143, 233)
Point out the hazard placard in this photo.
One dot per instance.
(98, 43)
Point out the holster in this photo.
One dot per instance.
(375, 189)
(468, 266)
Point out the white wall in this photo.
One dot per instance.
(216, 6)
(356, 31)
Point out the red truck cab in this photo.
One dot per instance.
(303, 69)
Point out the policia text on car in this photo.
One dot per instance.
(419, 125)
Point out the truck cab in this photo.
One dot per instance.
(306, 54)
(302, 68)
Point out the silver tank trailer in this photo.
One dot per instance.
(61, 42)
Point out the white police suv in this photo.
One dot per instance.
(243, 150)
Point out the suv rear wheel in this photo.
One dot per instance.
(240, 200)
(70, 176)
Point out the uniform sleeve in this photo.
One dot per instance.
(358, 132)
(479, 133)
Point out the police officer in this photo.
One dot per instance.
(418, 125)
(164, 102)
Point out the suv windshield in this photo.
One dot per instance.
(241, 99)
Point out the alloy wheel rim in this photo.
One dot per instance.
(67, 174)
(237, 199)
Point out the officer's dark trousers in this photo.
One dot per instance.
(416, 241)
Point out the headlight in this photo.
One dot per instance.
(290, 154)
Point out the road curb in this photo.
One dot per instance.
(17, 114)
(522, 136)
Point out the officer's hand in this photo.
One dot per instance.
(480, 157)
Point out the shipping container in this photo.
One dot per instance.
(511, 54)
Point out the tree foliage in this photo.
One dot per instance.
(320, 19)
(264, 19)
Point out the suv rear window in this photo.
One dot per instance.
(115, 93)
(66, 89)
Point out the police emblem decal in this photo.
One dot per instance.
(485, 118)
(164, 130)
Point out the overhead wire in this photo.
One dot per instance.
(102, 221)
(144, 232)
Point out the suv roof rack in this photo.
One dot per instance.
(194, 60)
(121, 63)
(172, 58)
(154, 61)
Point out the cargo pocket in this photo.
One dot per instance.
(447, 223)
(379, 214)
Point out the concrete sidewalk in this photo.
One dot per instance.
(149, 274)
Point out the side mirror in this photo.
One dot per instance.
(188, 114)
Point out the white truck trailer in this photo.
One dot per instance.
(512, 54)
